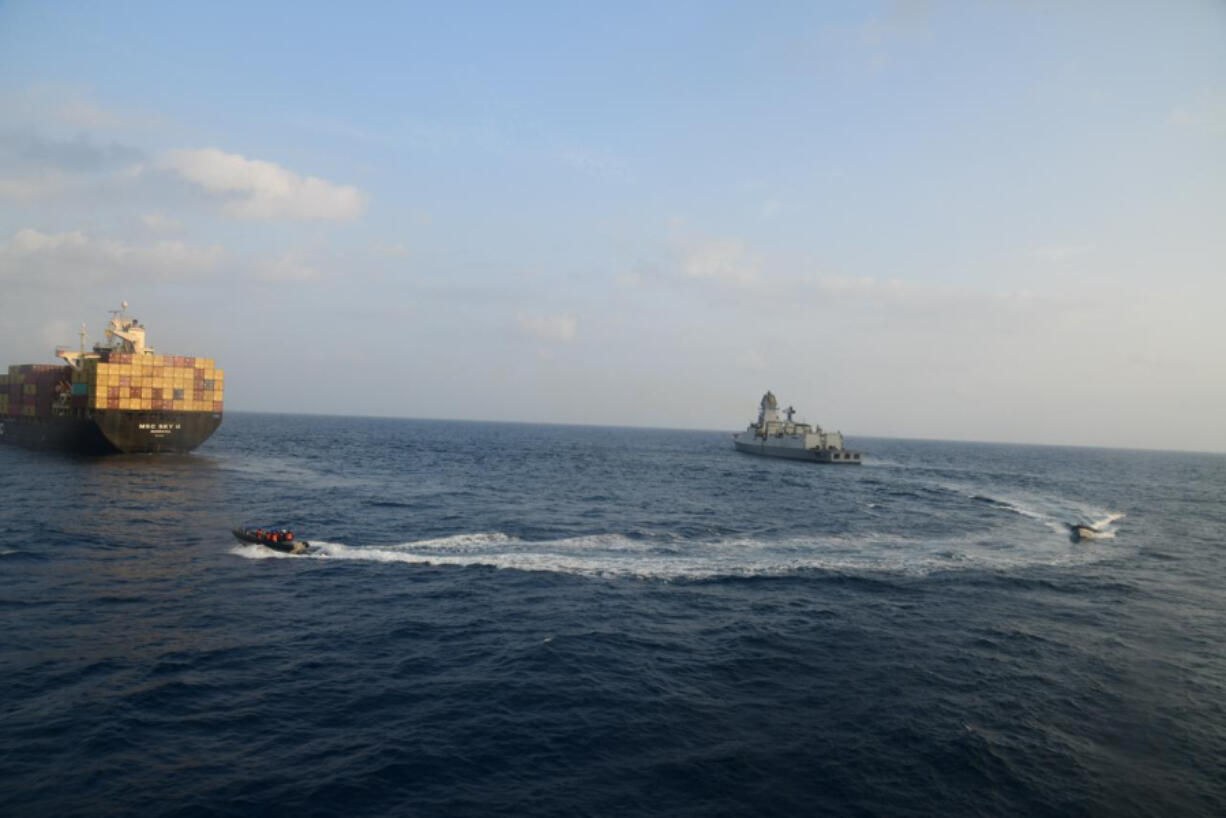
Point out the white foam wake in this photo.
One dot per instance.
(1103, 528)
(1056, 513)
(615, 555)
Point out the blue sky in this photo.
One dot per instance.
(992, 220)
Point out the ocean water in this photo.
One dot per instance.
(507, 619)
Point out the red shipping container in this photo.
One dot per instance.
(112, 393)
(216, 406)
(198, 395)
(133, 391)
(157, 393)
(125, 380)
(112, 403)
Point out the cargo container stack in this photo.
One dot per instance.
(31, 390)
(118, 397)
(167, 383)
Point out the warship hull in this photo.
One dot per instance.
(767, 448)
(109, 431)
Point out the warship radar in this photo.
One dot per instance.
(776, 436)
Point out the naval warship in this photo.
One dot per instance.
(774, 436)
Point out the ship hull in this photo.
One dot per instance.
(111, 431)
(766, 449)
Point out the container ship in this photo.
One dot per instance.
(774, 436)
(118, 397)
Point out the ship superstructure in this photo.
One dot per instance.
(774, 435)
(117, 396)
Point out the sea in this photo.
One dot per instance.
(529, 620)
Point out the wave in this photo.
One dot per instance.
(619, 555)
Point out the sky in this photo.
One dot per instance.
(1000, 221)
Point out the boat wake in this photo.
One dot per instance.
(1052, 512)
(617, 555)
(1098, 530)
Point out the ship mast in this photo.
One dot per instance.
(123, 334)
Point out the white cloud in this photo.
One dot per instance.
(288, 268)
(37, 186)
(868, 288)
(86, 115)
(549, 327)
(56, 259)
(261, 191)
(161, 222)
(721, 260)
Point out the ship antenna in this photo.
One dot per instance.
(116, 322)
(82, 334)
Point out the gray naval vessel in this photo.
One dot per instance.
(774, 436)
